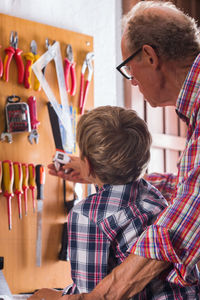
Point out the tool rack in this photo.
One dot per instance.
(18, 245)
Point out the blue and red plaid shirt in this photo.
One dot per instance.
(175, 236)
(102, 227)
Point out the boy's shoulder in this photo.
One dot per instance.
(111, 199)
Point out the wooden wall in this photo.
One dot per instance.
(17, 246)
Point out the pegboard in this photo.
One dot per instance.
(18, 246)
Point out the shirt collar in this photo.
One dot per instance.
(187, 95)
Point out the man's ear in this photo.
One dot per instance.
(150, 56)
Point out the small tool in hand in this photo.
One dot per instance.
(40, 180)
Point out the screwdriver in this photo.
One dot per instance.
(32, 184)
(40, 180)
(8, 187)
(18, 185)
(25, 184)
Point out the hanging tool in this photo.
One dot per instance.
(70, 69)
(47, 46)
(18, 185)
(84, 91)
(32, 184)
(1, 66)
(10, 51)
(34, 122)
(61, 109)
(8, 187)
(31, 57)
(17, 117)
(40, 181)
(25, 184)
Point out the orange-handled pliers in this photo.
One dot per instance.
(83, 91)
(70, 69)
(10, 51)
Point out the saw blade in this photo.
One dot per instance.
(39, 233)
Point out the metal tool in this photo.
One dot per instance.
(40, 181)
(31, 57)
(8, 177)
(32, 184)
(84, 90)
(17, 117)
(33, 136)
(61, 109)
(5, 292)
(18, 185)
(70, 69)
(1, 66)
(25, 184)
(10, 51)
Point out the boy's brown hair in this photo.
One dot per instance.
(116, 142)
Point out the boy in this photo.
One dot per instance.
(114, 148)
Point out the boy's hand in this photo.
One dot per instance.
(73, 174)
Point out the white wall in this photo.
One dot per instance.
(98, 18)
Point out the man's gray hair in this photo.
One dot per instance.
(173, 34)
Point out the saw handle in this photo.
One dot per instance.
(40, 181)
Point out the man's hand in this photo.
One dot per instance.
(46, 294)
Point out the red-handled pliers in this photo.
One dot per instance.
(70, 68)
(10, 51)
(83, 92)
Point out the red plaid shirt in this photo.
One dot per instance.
(175, 236)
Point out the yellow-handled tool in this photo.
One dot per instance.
(25, 184)
(18, 185)
(8, 177)
(31, 182)
(31, 57)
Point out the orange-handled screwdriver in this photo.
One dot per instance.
(25, 184)
(31, 182)
(18, 185)
(8, 187)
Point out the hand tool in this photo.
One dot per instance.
(61, 157)
(17, 117)
(1, 66)
(61, 107)
(5, 292)
(40, 181)
(31, 57)
(34, 122)
(70, 69)
(8, 187)
(48, 46)
(32, 184)
(25, 185)
(10, 51)
(83, 91)
(18, 185)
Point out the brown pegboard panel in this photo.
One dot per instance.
(18, 245)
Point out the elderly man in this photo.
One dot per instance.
(160, 47)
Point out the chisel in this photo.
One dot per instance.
(40, 180)
(8, 187)
(18, 185)
(25, 185)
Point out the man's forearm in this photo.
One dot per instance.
(124, 281)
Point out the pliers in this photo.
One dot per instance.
(31, 57)
(83, 92)
(10, 51)
(70, 68)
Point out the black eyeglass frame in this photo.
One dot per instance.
(126, 61)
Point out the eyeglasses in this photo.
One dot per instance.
(124, 69)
